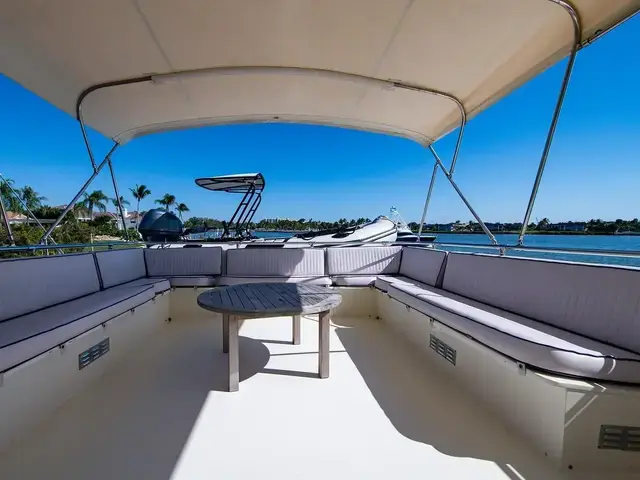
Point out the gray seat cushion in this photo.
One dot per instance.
(272, 262)
(383, 282)
(29, 284)
(120, 266)
(597, 301)
(425, 265)
(226, 280)
(528, 341)
(159, 285)
(370, 260)
(179, 262)
(30, 335)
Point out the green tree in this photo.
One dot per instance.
(95, 200)
(544, 224)
(123, 201)
(139, 193)
(30, 197)
(167, 201)
(182, 208)
(11, 203)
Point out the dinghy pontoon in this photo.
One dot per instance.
(444, 364)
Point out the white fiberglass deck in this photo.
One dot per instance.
(383, 413)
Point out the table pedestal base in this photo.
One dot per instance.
(230, 346)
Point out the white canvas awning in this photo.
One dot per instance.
(237, 183)
(278, 60)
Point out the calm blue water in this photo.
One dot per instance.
(584, 242)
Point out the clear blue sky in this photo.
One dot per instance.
(327, 173)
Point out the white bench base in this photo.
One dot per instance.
(31, 391)
(561, 417)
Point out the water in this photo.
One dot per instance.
(273, 234)
(583, 242)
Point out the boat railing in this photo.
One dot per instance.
(499, 249)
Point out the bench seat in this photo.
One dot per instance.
(160, 285)
(316, 280)
(530, 342)
(25, 337)
(383, 282)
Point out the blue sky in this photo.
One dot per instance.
(327, 173)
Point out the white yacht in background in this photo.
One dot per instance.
(443, 364)
(404, 232)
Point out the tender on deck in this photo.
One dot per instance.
(163, 412)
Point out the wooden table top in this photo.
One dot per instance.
(269, 299)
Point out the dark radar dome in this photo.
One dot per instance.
(160, 226)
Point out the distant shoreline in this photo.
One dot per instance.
(502, 232)
(529, 232)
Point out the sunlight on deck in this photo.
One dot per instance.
(383, 413)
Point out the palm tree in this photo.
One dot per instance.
(167, 201)
(139, 192)
(123, 201)
(31, 198)
(182, 208)
(95, 199)
(11, 203)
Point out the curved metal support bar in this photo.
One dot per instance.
(577, 33)
(463, 198)
(85, 93)
(427, 200)
(68, 208)
(253, 69)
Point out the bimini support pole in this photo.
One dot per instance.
(577, 35)
(454, 160)
(120, 209)
(5, 220)
(98, 169)
(462, 197)
(427, 200)
(27, 209)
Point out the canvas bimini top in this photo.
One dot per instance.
(414, 68)
(237, 183)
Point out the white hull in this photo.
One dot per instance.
(380, 230)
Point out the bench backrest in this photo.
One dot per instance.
(183, 262)
(600, 302)
(423, 264)
(371, 260)
(30, 284)
(275, 262)
(121, 266)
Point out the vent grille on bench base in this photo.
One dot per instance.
(442, 349)
(618, 437)
(92, 354)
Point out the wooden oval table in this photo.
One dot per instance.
(262, 300)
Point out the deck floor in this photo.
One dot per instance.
(383, 413)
